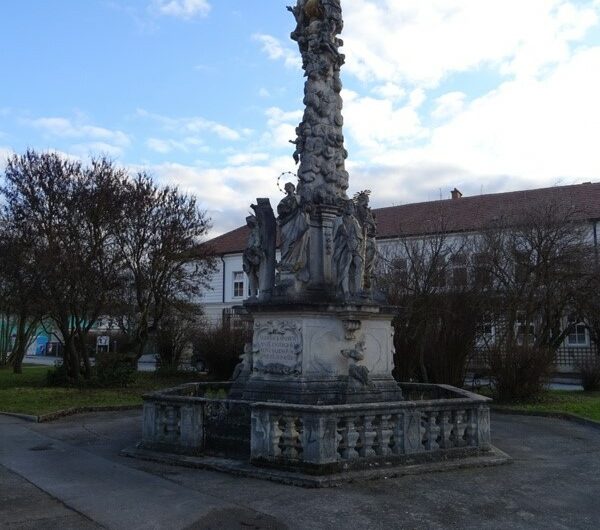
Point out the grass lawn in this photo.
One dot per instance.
(27, 393)
(584, 404)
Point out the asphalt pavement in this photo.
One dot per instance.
(68, 474)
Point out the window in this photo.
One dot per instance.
(482, 267)
(400, 271)
(578, 334)
(238, 284)
(525, 329)
(459, 270)
(438, 279)
(486, 334)
(522, 267)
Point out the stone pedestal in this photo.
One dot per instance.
(321, 354)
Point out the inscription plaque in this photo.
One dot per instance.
(277, 347)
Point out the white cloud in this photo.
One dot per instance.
(525, 133)
(390, 91)
(66, 128)
(193, 125)
(281, 128)
(162, 146)
(242, 159)
(448, 105)
(226, 193)
(89, 149)
(185, 9)
(420, 43)
(5, 153)
(275, 50)
(377, 124)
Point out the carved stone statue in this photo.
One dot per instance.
(253, 256)
(320, 141)
(354, 356)
(294, 228)
(369, 228)
(348, 255)
(259, 255)
(244, 367)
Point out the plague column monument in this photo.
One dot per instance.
(320, 335)
(314, 390)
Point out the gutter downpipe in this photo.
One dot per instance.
(596, 241)
(223, 261)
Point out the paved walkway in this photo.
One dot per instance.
(68, 474)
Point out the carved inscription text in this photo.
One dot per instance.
(277, 348)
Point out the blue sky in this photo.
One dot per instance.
(483, 95)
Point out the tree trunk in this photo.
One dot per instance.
(70, 357)
(20, 349)
(82, 336)
(141, 337)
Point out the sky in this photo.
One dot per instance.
(482, 95)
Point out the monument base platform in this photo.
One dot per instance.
(338, 390)
(434, 424)
(319, 354)
(373, 471)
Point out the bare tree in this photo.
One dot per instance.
(588, 307)
(176, 333)
(165, 263)
(70, 214)
(539, 262)
(439, 307)
(21, 310)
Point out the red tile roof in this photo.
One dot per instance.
(458, 215)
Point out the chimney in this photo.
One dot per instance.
(456, 194)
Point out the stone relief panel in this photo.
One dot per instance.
(373, 353)
(324, 351)
(277, 347)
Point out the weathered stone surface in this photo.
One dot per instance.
(315, 389)
(320, 141)
(259, 255)
(324, 439)
(277, 347)
(319, 438)
(321, 354)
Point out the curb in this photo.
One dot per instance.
(240, 468)
(46, 418)
(26, 417)
(549, 414)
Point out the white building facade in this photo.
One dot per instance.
(463, 215)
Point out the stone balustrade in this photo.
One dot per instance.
(347, 436)
(438, 422)
(188, 420)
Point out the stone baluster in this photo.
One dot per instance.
(458, 431)
(484, 440)
(367, 435)
(397, 441)
(445, 430)
(413, 430)
(384, 436)
(276, 434)
(349, 439)
(434, 431)
(471, 428)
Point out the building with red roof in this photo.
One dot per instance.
(455, 215)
